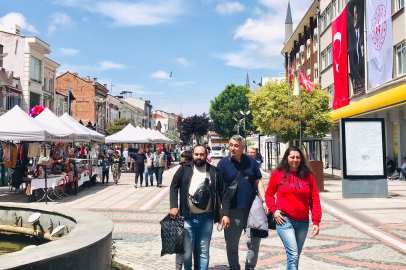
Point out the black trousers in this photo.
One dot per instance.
(105, 174)
(139, 172)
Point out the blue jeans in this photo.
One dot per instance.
(150, 172)
(158, 174)
(198, 228)
(293, 234)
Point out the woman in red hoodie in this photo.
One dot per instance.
(296, 193)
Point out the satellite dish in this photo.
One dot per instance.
(34, 217)
(3, 55)
(58, 230)
(30, 247)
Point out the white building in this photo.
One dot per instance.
(281, 77)
(144, 105)
(26, 58)
(119, 108)
(171, 122)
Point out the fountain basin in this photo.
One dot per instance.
(87, 245)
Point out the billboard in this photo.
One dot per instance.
(356, 47)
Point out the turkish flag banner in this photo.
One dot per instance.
(340, 67)
(306, 82)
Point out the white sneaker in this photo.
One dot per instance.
(135, 185)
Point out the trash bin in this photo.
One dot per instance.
(317, 169)
(176, 156)
(4, 175)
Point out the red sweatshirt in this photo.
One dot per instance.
(295, 197)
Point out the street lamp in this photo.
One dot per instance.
(99, 102)
(245, 131)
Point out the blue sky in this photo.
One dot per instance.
(207, 44)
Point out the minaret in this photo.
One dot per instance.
(288, 24)
(247, 82)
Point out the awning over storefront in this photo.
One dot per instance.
(389, 99)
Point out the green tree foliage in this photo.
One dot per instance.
(226, 107)
(197, 125)
(173, 136)
(276, 115)
(118, 124)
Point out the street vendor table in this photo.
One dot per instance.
(52, 182)
(84, 177)
(96, 170)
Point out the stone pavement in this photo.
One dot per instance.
(354, 234)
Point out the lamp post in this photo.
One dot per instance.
(99, 102)
(245, 131)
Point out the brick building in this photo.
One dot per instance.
(90, 103)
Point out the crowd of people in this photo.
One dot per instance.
(204, 195)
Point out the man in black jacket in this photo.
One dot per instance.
(193, 179)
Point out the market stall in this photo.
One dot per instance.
(70, 121)
(130, 134)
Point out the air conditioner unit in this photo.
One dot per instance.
(308, 72)
(316, 31)
(302, 49)
(297, 55)
(316, 66)
(308, 42)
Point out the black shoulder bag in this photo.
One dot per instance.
(201, 198)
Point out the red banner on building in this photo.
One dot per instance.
(306, 82)
(340, 67)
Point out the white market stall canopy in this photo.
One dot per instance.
(157, 136)
(16, 125)
(49, 118)
(129, 134)
(94, 136)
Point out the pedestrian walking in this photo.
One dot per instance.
(149, 171)
(296, 192)
(160, 163)
(138, 162)
(241, 178)
(105, 170)
(200, 186)
(226, 151)
(168, 156)
(116, 165)
(258, 157)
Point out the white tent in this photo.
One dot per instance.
(94, 136)
(49, 118)
(129, 134)
(16, 125)
(162, 137)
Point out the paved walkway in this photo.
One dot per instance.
(354, 234)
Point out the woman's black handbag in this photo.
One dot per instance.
(202, 195)
(271, 222)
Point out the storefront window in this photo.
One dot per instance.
(11, 101)
(35, 70)
(34, 99)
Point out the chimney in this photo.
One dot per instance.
(105, 85)
(88, 78)
(60, 73)
(75, 73)
(95, 80)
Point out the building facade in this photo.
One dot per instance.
(91, 96)
(144, 105)
(26, 59)
(387, 100)
(172, 122)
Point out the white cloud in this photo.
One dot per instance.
(104, 65)
(183, 62)
(101, 66)
(160, 75)
(135, 89)
(59, 20)
(176, 84)
(262, 36)
(67, 51)
(229, 8)
(19, 19)
(124, 13)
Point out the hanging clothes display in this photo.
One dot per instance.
(12, 162)
(34, 150)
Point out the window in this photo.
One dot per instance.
(46, 84)
(323, 22)
(335, 9)
(330, 55)
(342, 4)
(330, 91)
(11, 101)
(323, 60)
(329, 17)
(400, 4)
(35, 70)
(401, 58)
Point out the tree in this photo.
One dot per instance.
(225, 110)
(118, 124)
(197, 125)
(173, 136)
(276, 115)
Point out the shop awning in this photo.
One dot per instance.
(389, 99)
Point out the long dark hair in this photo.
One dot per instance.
(302, 171)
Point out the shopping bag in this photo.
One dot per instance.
(172, 234)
